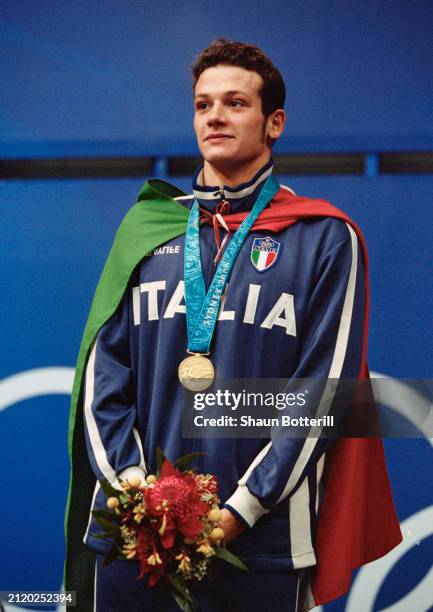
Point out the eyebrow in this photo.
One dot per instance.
(233, 92)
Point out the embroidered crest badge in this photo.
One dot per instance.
(264, 253)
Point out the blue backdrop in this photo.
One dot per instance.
(112, 79)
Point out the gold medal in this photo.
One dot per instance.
(196, 372)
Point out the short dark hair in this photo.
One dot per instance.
(250, 57)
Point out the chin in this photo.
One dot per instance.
(219, 160)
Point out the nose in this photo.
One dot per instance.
(216, 114)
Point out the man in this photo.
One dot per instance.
(300, 313)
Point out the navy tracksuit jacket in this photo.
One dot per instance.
(301, 317)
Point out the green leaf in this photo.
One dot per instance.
(111, 556)
(102, 536)
(108, 489)
(183, 604)
(180, 587)
(160, 458)
(225, 555)
(107, 525)
(105, 514)
(115, 538)
(185, 462)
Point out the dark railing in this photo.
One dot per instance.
(293, 156)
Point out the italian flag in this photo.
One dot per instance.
(263, 259)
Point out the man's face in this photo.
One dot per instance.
(229, 124)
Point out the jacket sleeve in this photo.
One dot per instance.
(332, 336)
(113, 443)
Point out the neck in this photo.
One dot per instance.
(232, 176)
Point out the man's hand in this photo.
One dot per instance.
(231, 525)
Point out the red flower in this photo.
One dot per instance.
(152, 559)
(175, 500)
(206, 483)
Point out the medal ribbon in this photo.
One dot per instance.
(202, 309)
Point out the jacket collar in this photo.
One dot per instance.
(240, 198)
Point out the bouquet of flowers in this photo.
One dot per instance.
(170, 525)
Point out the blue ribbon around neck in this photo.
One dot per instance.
(202, 309)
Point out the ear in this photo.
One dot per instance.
(275, 124)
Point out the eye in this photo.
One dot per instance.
(201, 106)
(236, 103)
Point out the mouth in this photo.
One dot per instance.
(218, 137)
